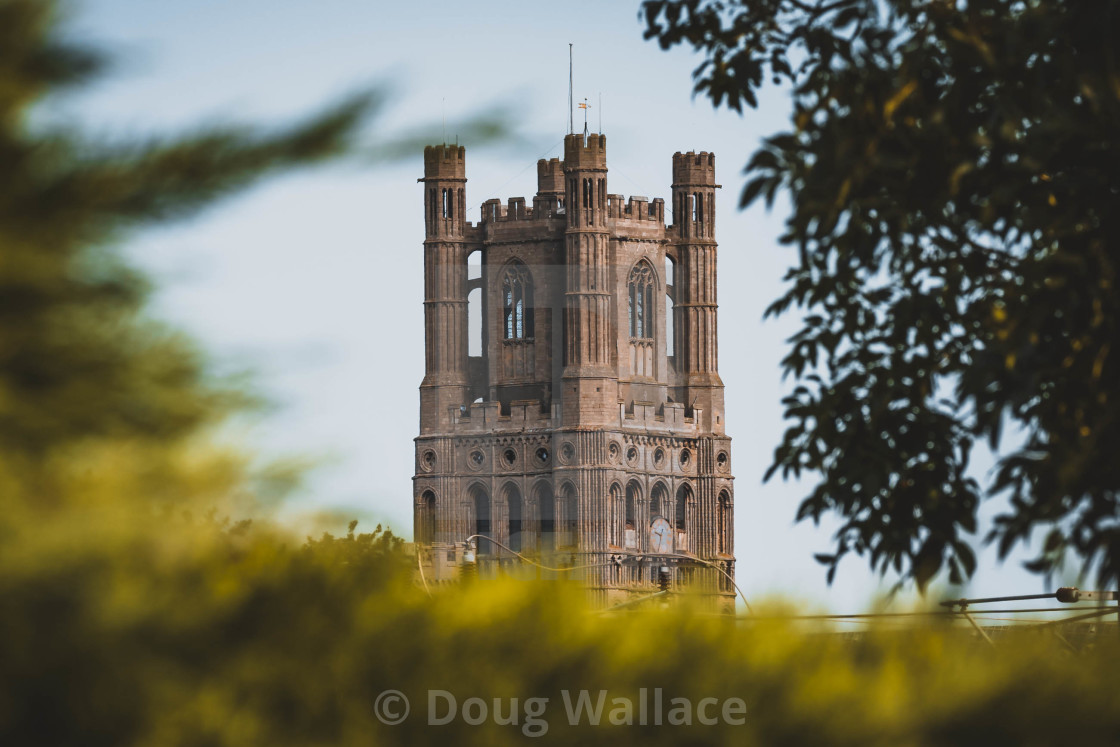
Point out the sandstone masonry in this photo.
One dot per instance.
(590, 430)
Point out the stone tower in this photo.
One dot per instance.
(588, 429)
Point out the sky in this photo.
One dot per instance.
(313, 281)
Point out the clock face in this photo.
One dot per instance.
(660, 536)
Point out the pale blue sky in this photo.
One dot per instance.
(313, 279)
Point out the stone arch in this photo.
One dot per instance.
(633, 500)
(475, 332)
(641, 286)
(479, 499)
(546, 514)
(724, 528)
(515, 282)
(616, 513)
(515, 511)
(632, 514)
(658, 500)
(685, 500)
(426, 517)
(567, 514)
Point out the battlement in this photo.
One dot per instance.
(493, 210)
(585, 153)
(637, 208)
(670, 416)
(486, 417)
(550, 177)
(694, 169)
(445, 162)
(544, 207)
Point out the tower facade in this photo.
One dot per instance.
(579, 419)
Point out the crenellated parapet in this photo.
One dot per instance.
(637, 208)
(668, 417)
(493, 211)
(585, 153)
(548, 207)
(550, 177)
(487, 417)
(445, 162)
(694, 169)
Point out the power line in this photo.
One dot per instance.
(530, 561)
(623, 553)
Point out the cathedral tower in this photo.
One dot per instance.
(588, 430)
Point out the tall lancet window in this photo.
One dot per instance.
(517, 302)
(723, 523)
(641, 300)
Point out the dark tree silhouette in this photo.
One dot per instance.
(954, 174)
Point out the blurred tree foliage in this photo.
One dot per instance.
(82, 372)
(954, 174)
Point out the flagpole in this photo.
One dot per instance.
(571, 109)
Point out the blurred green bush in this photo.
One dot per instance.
(175, 631)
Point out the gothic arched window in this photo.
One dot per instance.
(633, 495)
(641, 300)
(684, 497)
(426, 518)
(723, 523)
(568, 519)
(482, 529)
(546, 511)
(630, 520)
(658, 499)
(616, 514)
(513, 517)
(517, 302)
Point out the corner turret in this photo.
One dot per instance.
(445, 285)
(445, 178)
(694, 185)
(550, 177)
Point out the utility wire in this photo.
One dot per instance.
(509, 181)
(857, 617)
(623, 553)
(420, 565)
(533, 562)
(705, 562)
